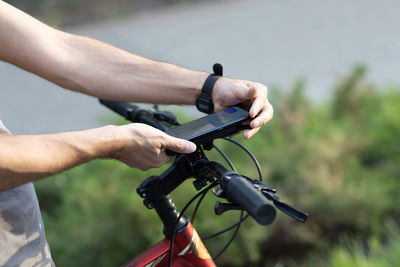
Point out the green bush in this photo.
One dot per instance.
(376, 251)
(339, 161)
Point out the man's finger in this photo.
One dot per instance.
(244, 91)
(249, 133)
(259, 102)
(263, 117)
(252, 92)
(162, 159)
(179, 145)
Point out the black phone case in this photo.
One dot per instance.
(219, 132)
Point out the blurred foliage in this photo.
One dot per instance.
(355, 253)
(339, 161)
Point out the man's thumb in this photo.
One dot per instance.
(180, 145)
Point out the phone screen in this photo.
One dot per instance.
(209, 124)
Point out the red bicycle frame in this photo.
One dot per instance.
(188, 250)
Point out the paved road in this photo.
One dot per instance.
(272, 41)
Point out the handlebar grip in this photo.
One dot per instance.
(133, 113)
(247, 197)
(122, 108)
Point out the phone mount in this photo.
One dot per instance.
(208, 143)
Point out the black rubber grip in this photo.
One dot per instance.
(134, 113)
(240, 192)
(122, 108)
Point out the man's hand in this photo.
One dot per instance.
(25, 158)
(143, 146)
(252, 96)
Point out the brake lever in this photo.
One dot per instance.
(220, 208)
(270, 193)
(296, 214)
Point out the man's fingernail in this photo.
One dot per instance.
(256, 124)
(190, 147)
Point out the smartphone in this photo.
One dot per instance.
(220, 124)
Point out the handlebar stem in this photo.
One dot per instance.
(168, 214)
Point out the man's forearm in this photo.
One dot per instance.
(105, 71)
(89, 66)
(25, 158)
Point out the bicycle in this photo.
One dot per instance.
(182, 246)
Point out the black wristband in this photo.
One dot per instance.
(204, 102)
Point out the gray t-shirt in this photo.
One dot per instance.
(22, 238)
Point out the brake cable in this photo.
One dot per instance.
(248, 153)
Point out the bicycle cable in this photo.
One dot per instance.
(248, 153)
(226, 229)
(225, 157)
(232, 238)
(197, 206)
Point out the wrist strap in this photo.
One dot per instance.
(204, 102)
